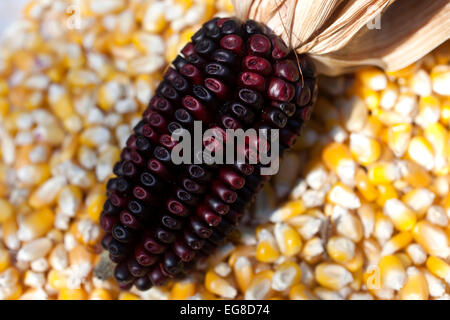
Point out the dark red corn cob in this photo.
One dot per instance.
(161, 219)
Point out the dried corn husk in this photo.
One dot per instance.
(341, 35)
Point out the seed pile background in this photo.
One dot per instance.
(364, 195)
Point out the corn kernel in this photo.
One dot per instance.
(332, 276)
(383, 172)
(364, 149)
(288, 239)
(266, 252)
(398, 138)
(439, 268)
(432, 238)
(100, 294)
(416, 287)
(286, 275)
(36, 224)
(260, 286)
(6, 210)
(289, 210)
(364, 186)
(219, 286)
(340, 249)
(182, 290)
(396, 243)
(392, 272)
(300, 292)
(401, 216)
(421, 151)
(57, 280)
(5, 260)
(72, 294)
(419, 200)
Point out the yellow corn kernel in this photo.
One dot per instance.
(219, 285)
(416, 175)
(340, 249)
(364, 186)
(439, 268)
(4, 107)
(383, 227)
(6, 210)
(243, 272)
(355, 264)
(397, 243)
(416, 287)
(10, 233)
(419, 200)
(107, 95)
(372, 78)
(56, 279)
(37, 223)
(5, 260)
(383, 172)
(398, 138)
(370, 97)
(128, 296)
(156, 25)
(100, 294)
(344, 196)
(372, 250)
(291, 209)
(260, 286)
(241, 251)
(438, 137)
(3, 87)
(421, 152)
(34, 174)
(392, 272)
(332, 276)
(288, 239)
(364, 149)
(373, 127)
(313, 250)
(286, 275)
(445, 112)
(266, 251)
(60, 102)
(334, 154)
(72, 294)
(94, 203)
(46, 193)
(401, 216)
(81, 255)
(432, 238)
(300, 292)
(69, 200)
(182, 290)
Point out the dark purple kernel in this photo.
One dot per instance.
(259, 44)
(287, 69)
(251, 97)
(258, 65)
(143, 283)
(122, 274)
(205, 47)
(225, 56)
(280, 90)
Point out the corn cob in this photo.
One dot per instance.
(160, 218)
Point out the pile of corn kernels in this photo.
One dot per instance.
(359, 210)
